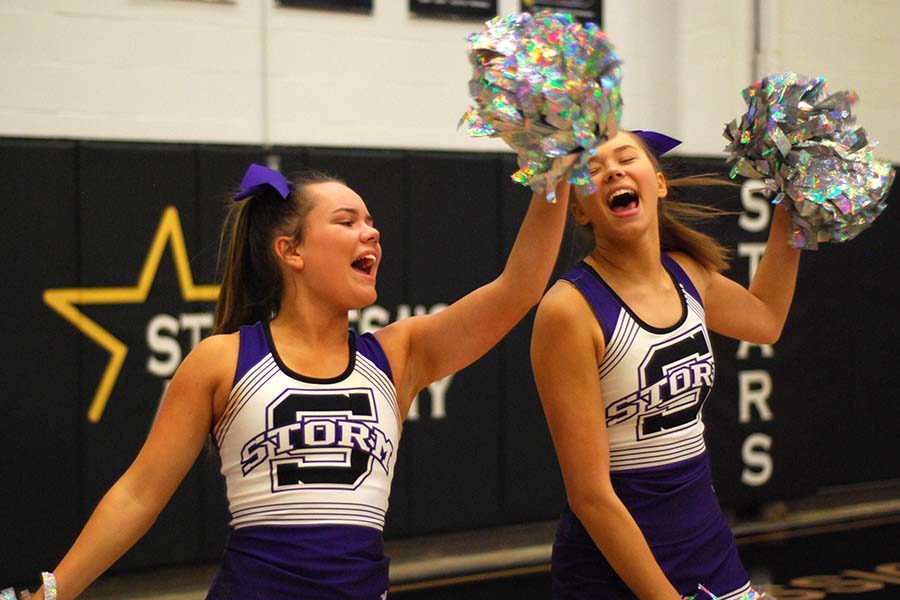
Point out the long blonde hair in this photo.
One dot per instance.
(676, 218)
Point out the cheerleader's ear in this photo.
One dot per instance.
(662, 186)
(289, 251)
(580, 216)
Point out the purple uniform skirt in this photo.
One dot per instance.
(315, 563)
(677, 510)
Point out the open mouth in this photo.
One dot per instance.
(364, 264)
(623, 201)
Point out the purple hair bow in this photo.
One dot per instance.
(258, 177)
(659, 143)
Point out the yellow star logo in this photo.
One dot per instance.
(65, 300)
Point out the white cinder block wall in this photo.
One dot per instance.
(856, 45)
(252, 72)
(131, 69)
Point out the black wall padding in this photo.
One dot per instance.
(531, 485)
(85, 214)
(123, 191)
(41, 470)
(454, 248)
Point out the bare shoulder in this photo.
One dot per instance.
(214, 357)
(700, 275)
(208, 371)
(566, 345)
(217, 345)
(565, 320)
(562, 304)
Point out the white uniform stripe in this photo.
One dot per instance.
(610, 362)
(654, 448)
(736, 594)
(380, 385)
(379, 380)
(659, 461)
(619, 333)
(254, 376)
(313, 517)
(695, 306)
(662, 456)
(659, 451)
(239, 396)
(336, 519)
(659, 454)
(311, 507)
(255, 379)
(309, 515)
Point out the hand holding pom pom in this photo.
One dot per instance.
(549, 87)
(803, 142)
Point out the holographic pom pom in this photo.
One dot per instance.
(803, 142)
(549, 87)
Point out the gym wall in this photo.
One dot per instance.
(111, 246)
(124, 125)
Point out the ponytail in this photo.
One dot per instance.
(252, 285)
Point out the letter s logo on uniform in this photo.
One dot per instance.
(675, 379)
(319, 438)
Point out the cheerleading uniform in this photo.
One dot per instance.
(653, 382)
(308, 465)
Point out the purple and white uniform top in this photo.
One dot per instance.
(303, 451)
(653, 380)
(653, 384)
(308, 465)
